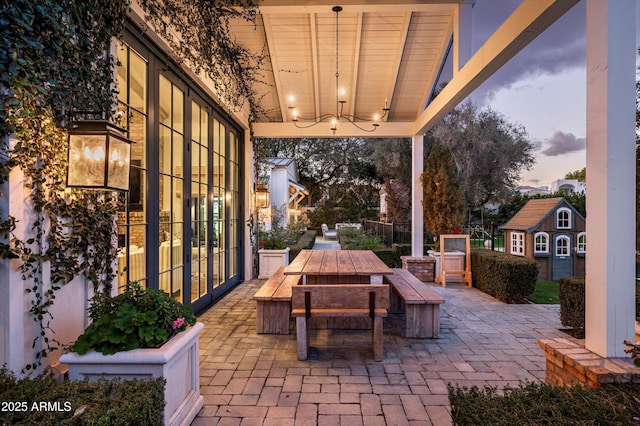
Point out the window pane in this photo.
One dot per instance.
(178, 107)
(164, 142)
(138, 77)
(165, 101)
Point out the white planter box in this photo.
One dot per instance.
(270, 260)
(454, 261)
(176, 361)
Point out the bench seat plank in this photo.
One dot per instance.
(270, 286)
(425, 294)
(273, 303)
(420, 304)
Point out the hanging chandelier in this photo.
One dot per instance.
(363, 124)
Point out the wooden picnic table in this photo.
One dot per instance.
(337, 267)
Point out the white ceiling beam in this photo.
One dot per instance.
(356, 67)
(322, 130)
(313, 28)
(282, 101)
(528, 21)
(398, 62)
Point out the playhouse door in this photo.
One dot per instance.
(562, 262)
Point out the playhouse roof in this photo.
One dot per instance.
(535, 212)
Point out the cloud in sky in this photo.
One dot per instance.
(562, 46)
(563, 143)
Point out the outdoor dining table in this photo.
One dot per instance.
(338, 267)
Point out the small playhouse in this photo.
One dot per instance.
(551, 232)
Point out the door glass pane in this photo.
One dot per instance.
(138, 78)
(132, 219)
(171, 189)
(200, 202)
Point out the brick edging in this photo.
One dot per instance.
(423, 268)
(570, 363)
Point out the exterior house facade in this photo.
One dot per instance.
(285, 193)
(568, 186)
(551, 232)
(183, 225)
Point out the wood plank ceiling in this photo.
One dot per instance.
(386, 52)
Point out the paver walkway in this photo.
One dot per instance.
(322, 244)
(251, 379)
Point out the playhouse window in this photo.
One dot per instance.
(563, 246)
(563, 218)
(541, 243)
(582, 243)
(517, 243)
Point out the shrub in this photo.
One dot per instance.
(539, 403)
(507, 278)
(349, 235)
(572, 296)
(349, 210)
(355, 239)
(104, 402)
(391, 256)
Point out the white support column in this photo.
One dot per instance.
(462, 31)
(417, 209)
(610, 271)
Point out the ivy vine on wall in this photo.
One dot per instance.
(55, 61)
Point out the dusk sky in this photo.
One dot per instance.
(542, 88)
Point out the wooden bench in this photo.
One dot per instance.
(420, 304)
(339, 300)
(273, 303)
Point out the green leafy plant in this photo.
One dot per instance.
(355, 239)
(53, 61)
(136, 318)
(634, 350)
(279, 238)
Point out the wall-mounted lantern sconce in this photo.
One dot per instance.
(99, 156)
(262, 197)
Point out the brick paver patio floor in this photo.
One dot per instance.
(252, 379)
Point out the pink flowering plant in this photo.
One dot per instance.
(137, 318)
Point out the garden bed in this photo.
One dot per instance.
(538, 403)
(45, 400)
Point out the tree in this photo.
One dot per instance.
(579, 175)
(391, 158)
(488, 151)
(398, 200)
(443, 193)
(330, 169)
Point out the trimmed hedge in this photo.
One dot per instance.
(542, 404)
(391, 256)
(104, 402)
(571, 291)
(306, 241)
(508, 278)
